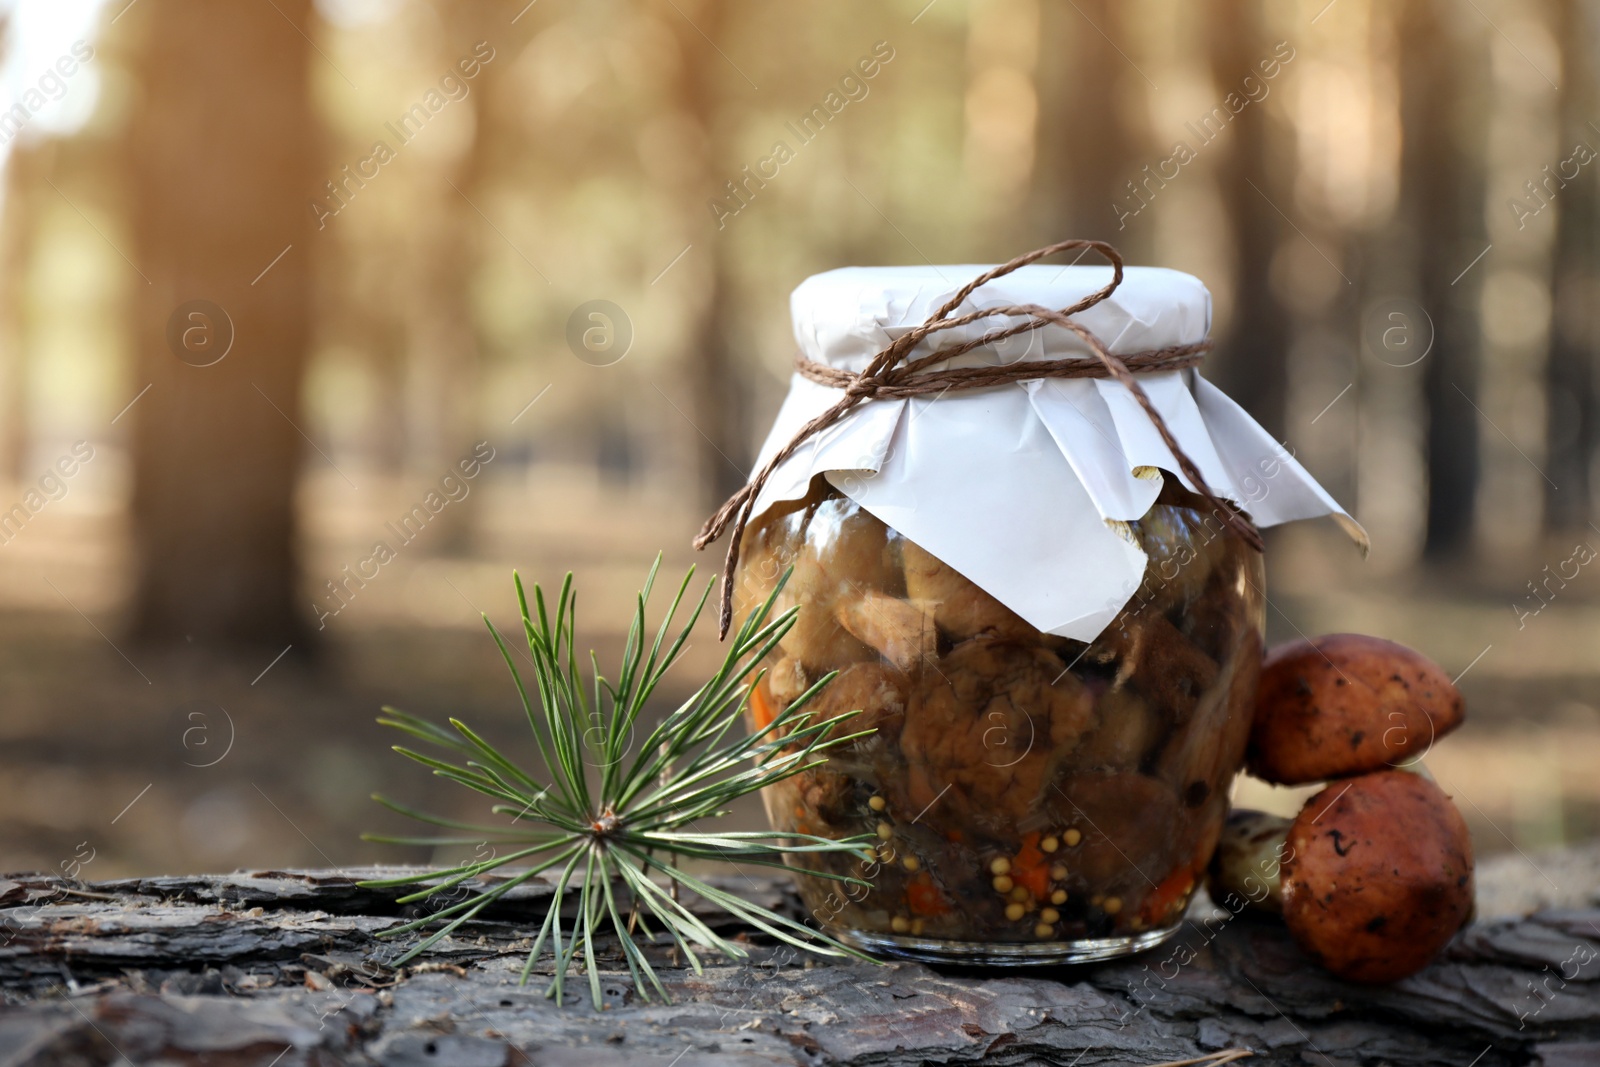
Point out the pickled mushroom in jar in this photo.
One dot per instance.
(1129, 823)
(878, 691)
(898, 631)
(784, 683)
(1184, 544)
(838, 552)
(990, 720)
(1054, 794)
(1127, 729)
(1157, 660)
(1018, 786)
(960, 609)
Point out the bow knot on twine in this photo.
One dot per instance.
(890, 376)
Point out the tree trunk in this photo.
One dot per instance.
(1251, 358)
(447, 357)
(714, 378)
(1441, 179)
(1086, 152)
(222, 170)
(1573, 430)
(18, 238)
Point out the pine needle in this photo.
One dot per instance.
(607, 820)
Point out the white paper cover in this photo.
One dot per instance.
(1014, 485)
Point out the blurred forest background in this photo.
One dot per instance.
(281, 266)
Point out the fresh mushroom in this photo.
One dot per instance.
(1373, 877)
(1346, 704)
(1247, 866)
(1244, 871)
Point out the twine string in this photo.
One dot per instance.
(889, 375)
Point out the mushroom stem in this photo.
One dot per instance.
(1246, 869)
(897, 630)
(1418, 768)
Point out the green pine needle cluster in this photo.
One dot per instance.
(604, 812)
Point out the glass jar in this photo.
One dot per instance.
(1032, 799)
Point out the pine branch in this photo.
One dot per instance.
(609, 834)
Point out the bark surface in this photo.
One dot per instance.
(283, 968)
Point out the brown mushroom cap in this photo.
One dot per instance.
(1377, 877)
(1346, 704)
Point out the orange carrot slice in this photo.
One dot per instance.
(1029, 869)
(760, 710)
(1166, 897)
(925, 898)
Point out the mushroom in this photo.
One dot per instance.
(878, 692)
(1247, 866)
(1126, 821)
(837, 552)
(1346, 704)
(1373, 877)
(1128, 728)
(960, 608)
(896, 629)
(988, 725)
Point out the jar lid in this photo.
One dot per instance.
(844, 317)
(1024, 487)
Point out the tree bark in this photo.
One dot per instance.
(283, 968)
(222, 171)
